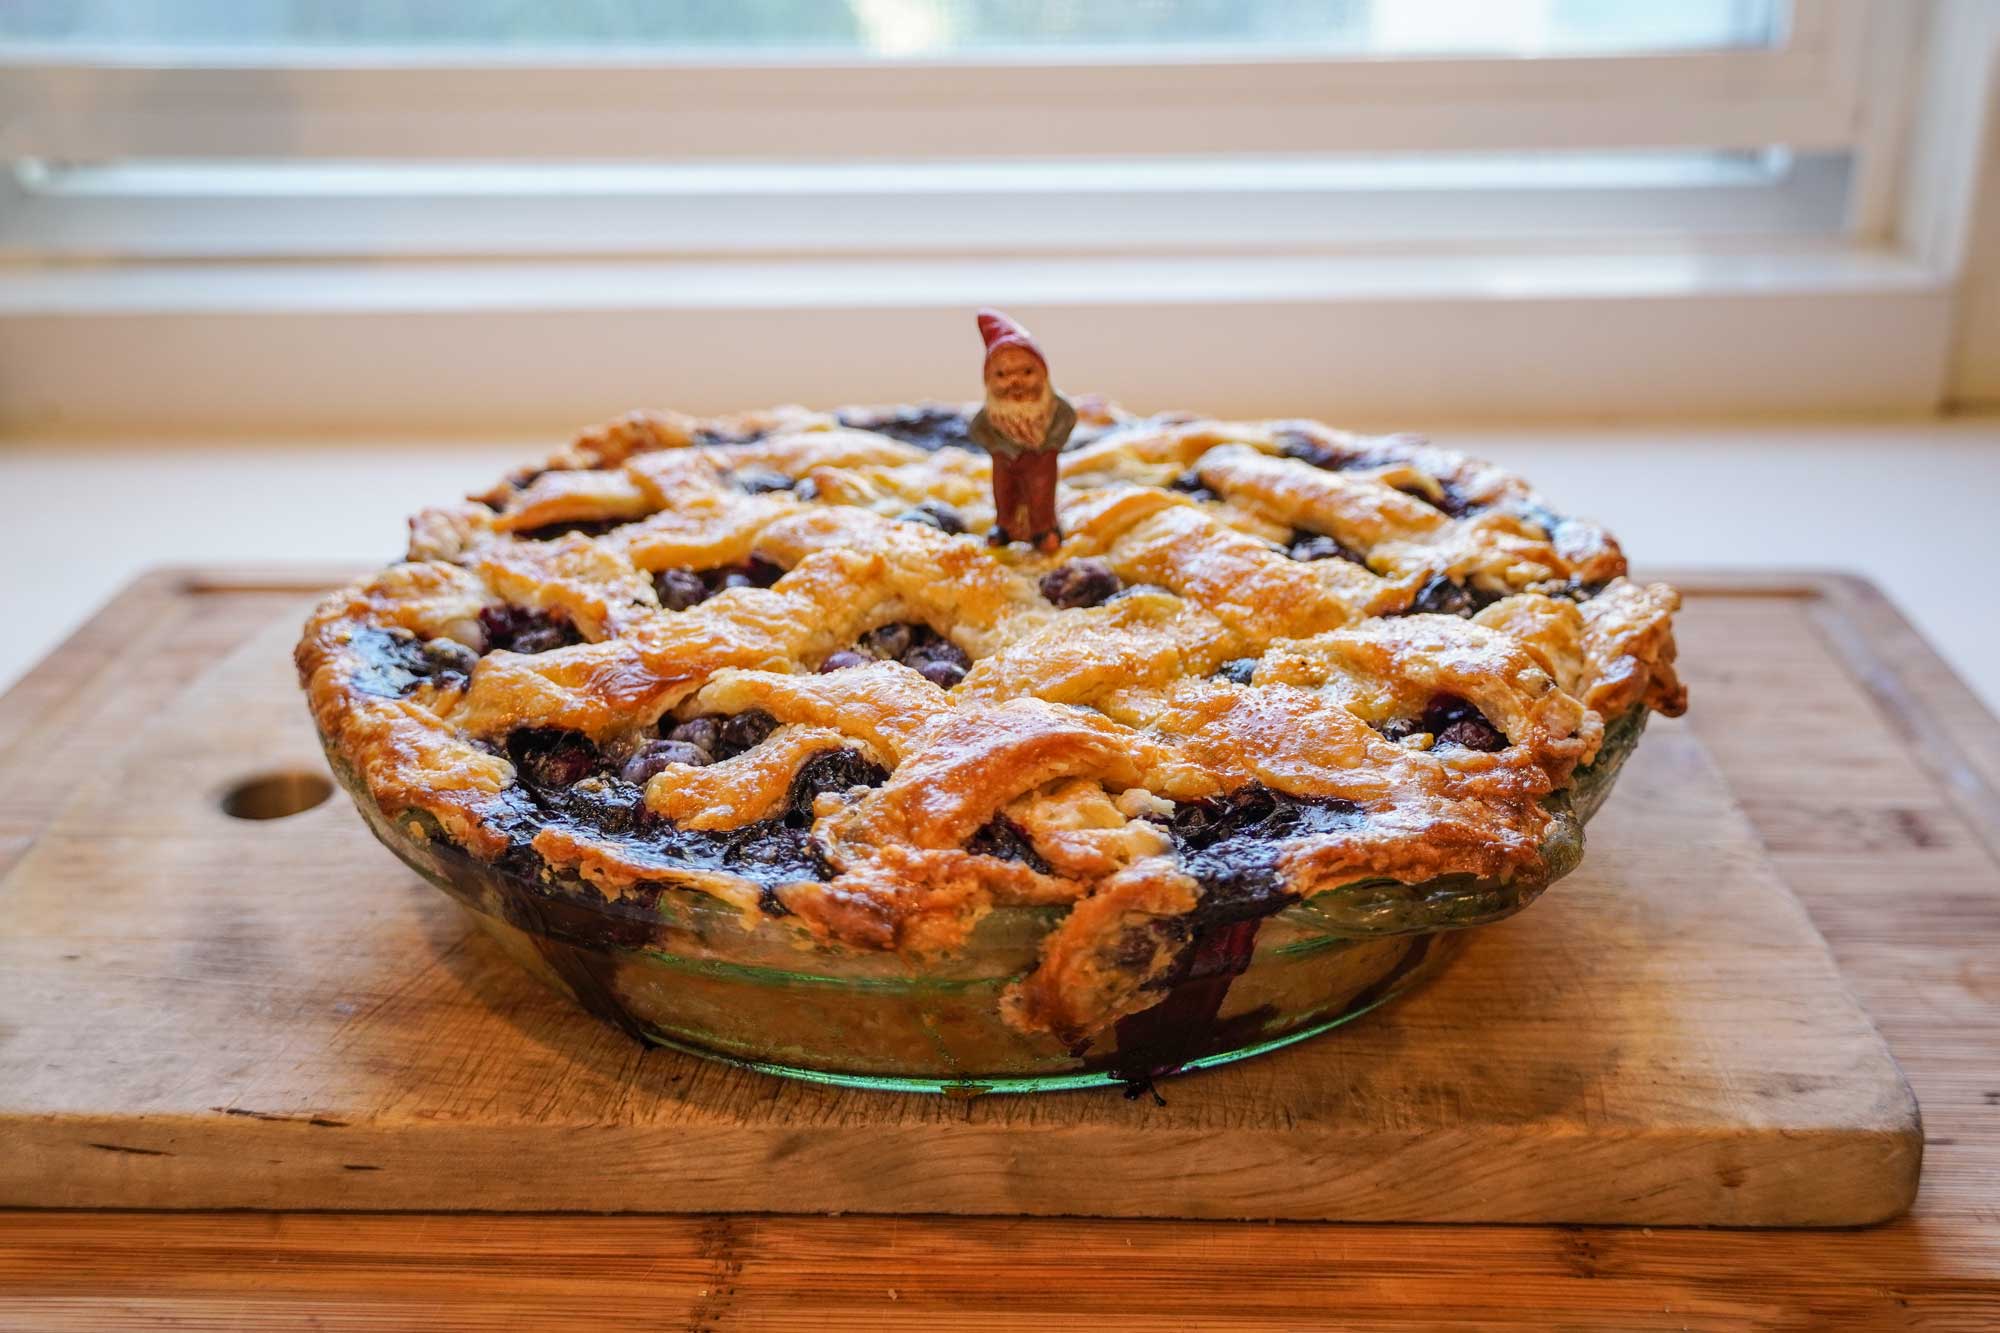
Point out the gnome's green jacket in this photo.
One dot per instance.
(988, 436)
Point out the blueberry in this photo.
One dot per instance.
(940, 673)
(523, 631)
(1319, 546)
(759, 480)
(679, 589)
(1442, 596)
(449, 656)
(1451, 721)
(1079, 583)
(654, 756)
(831, 771)
(844, 659)
(499, 623)
(541, 639)
(704, 733)
(1474, 733)
(743, 730)
(549, 757)
(889, 642)
(1293, 444)
(936, 514)
(938, 650)
(752, 573)
(1448, 499)
(1238, 670)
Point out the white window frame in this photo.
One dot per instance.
(64, 104)
(1858, 320)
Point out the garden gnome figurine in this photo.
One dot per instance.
(1024, 426)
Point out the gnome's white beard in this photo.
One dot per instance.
(1025, 423)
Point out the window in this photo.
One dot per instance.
(1298, 153)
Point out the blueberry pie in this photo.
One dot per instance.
(741, 732)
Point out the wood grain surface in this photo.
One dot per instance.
(1806, 688)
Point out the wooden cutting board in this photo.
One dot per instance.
(207, 1012)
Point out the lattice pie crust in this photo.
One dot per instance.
(1404, 648)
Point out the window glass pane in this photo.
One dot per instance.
(913, 28)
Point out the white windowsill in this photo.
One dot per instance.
(943, 283)
(450, 346)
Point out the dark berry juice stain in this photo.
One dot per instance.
(1231, 846)
(566, 782)
(928, 428)
(394, 660)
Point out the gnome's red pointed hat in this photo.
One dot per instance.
(999, 331)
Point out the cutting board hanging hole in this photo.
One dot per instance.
(275, 795)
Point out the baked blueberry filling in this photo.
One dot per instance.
(928, 428)
(1444, 595)
(1319, 546)
(721, 736)
(935, 514)
(760, 480)
(679, 589)
(654, 756)
(917, 646)
(564, 780)
(519, 630)
(1190, 484)
(1451, 721)
(1232, 846)
(1328, 457)
(1576, 590)
(550, 757)
(394, 660)
(1084, 582)
(719, 437)
(1450, 500)
(589, 527)
(1001, 837)
(829, 772)
(1238, 670)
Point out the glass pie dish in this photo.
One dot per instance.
(683, 970)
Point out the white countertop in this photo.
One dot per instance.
(1913, 505)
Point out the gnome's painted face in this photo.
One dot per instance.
(1019, 401)
(1016, 375)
